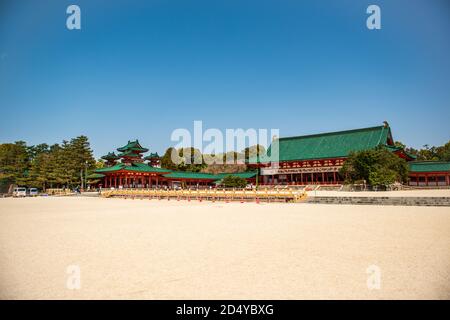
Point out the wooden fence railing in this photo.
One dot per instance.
(226, 195)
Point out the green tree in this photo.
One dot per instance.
(443, 152)
(79, 159)
(253, 151)
(233, 182)
(40, 171)
(14, 164)
(191, 160)
(166, 159)
(100, 164)
(427, 153)
(377, 167)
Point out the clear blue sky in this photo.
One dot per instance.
(140, 69)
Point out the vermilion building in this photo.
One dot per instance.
(133, 172)
(317, 158)
(429, 173)
(300, 160)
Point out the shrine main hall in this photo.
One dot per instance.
(301, 160)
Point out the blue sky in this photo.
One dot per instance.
(140, 69)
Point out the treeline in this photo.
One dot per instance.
(191, 159)
(441, 153)
(67, 164)
(43, 166)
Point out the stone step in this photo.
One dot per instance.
(399, 201)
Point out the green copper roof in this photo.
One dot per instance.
(136, 167)
(152, 156)
(395, 149)
(110, 156)
(143, 167)
(113, 168)
(132, 145)
(429, 166)
(328, 145)
(129, 154)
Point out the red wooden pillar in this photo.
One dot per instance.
(334, 177)
(426, 180)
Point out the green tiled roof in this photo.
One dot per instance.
(136, 167)
(143, 167)
(429, 166)
(132, 145)
(394, 149)
(152, 156)
(328, 145)
(110, 156)
(115, 167)
(129, 154)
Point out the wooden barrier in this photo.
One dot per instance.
(59, 192)
(227, 195)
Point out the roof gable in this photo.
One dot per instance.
(132, 146)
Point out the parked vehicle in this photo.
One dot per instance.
(33, 192)
(20, 192)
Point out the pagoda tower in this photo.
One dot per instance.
(132, 152)
(111, 159)
(153, 159)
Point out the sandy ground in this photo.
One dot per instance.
(159, 249)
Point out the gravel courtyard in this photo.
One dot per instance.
(159, 249)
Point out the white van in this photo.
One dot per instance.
(33, 192)
(20, 192)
